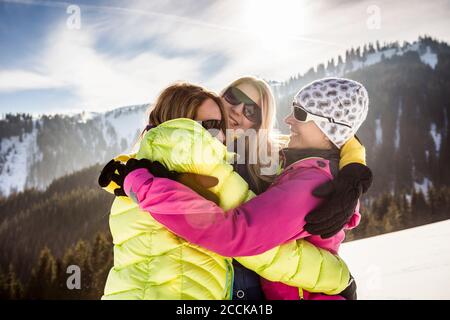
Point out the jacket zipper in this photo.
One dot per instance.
(229, 280)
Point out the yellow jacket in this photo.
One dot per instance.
(150, 262)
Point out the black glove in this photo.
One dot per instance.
(116, 171)
(109, 173)
(350, 292)
(341, 197)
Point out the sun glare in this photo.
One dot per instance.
(275, 20)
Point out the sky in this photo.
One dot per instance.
(64, 57)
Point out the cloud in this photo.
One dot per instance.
(127, 54)
(105, 81)
(71, 59)
(18, 80)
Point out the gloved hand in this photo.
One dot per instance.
(341, 198)
(109, 173)
(117, 172)
(350, 292)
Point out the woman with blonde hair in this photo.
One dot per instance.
(251, 108)
(150, 261)
(319, 133)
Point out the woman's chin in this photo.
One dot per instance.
(294, 143)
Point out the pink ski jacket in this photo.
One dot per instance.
(264, 222)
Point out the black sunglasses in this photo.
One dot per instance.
(235, 97)
(213, 126)
(301, 115)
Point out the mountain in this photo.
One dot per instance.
(409, 264)
(62, 217)
(35, 151)
(426, 48)
(406, 133)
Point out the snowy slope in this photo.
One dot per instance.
(127, 123)
(19, 154)
(409, 264)
(101, 134)
(429, 57)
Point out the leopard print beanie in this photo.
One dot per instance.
(343, 103)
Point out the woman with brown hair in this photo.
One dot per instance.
(150, 262)
(277, 216)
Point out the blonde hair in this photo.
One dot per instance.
(268, 110)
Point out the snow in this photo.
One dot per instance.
(357, 64)
(408, 264)
(437, 138)
(126, 122)
(373, 58)
(85, 116)
(275, 83)
(412, 47)
(423, 186)
(378, 132)
(18, 155)
(429, 58)
(408, 198)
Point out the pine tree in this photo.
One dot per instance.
(42, 283)
(14, 286)
(101, 262)
(419, 206)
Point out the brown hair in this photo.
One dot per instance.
(182, 100)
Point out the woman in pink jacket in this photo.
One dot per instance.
(325, 114)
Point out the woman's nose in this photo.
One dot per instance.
(239, 109)
(289, 119)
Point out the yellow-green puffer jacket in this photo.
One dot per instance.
(150, 262)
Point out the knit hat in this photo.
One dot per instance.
(343, 101)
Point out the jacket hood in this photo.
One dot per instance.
(183, 145)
